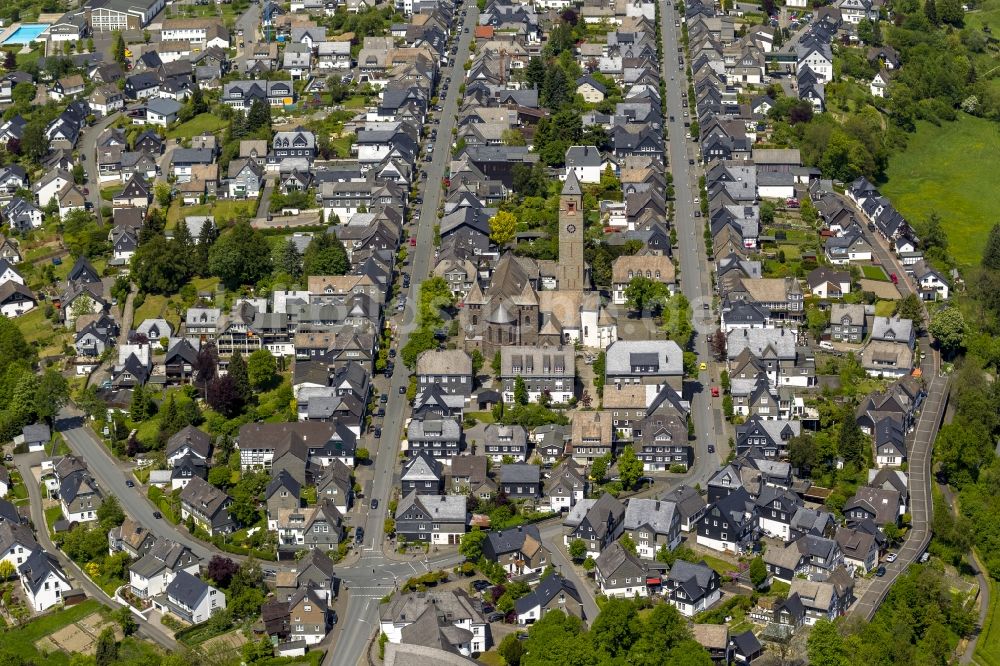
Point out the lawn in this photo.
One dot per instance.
(40, 331)
(154, 306)
(988, 647)
(52, 514)
(874, 273)
(205, 122)
(21, 641)
(950, 170)
(884, 308)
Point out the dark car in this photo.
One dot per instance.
(392, 353)
(402, 390)
(374, 504)
(880, 572)
(380, 412)
(359, 535)
(480, 585)
(8, 457)
(130, 483)
(378, 432)
(690, 160)
(384, 398)
(711, 448)
(157, 515)
(494, 617)
(488, 608)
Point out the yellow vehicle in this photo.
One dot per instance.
(703, 366)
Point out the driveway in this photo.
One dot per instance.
(87, 150)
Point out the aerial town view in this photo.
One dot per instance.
(499, 332)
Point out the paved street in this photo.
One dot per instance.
(88, 153)
(248, 23)
(361, 609)
(921, 444)
(24, 463)
(695, 272)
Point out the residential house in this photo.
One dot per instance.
(652, 524)
(421, 474)
(460, 626)
(521, 481)
(824, 600)
(565, 488)
(440, 520)
(518, 550)
(596, 522)
(309, 617)
(44, 582)
(882, 506)
(208, 506)
(554, 592)
(650, 362)
(506, 442)
(656, 267)
(317, 526)
(847, 323)
(550, 370)
(150, 575)
(729, 523)
(191, 599)
(619, 573)
(692, 588)
(469, 475)
(450, 369)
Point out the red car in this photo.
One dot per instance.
(413, 241)
(715, 391)
(892, 276)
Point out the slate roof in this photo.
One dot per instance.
(658, 514)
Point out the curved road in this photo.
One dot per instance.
(24, 463)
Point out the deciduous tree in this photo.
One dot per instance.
(241, 257)
(645, 294)
(629, 468)
(261, 368)
(325, 255)
(503, 226)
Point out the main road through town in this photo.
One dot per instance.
(375, 576)
(695, 271)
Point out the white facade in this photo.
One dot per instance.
(47, 593)
(689, 609)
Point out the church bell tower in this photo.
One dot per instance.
(571, 223)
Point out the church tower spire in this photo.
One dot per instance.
(571, 223)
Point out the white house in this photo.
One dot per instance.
(17, 543)
(447, 609)
(586, 161)
(50, 185)
(43, 580)
(933, 286)
(150, 575)
(879, 85)
(191, 599)
(819, 58)
(619, 573)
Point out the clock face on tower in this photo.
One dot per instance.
(570, 228)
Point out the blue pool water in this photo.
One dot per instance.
(26, 33)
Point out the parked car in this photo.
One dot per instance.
(384, 398)
(130, 483)
(494, 617)
(359, 535)
(480, 585)
(374, 504)
(926, 556)
(711, 448)
(402, 390)
(157, 515)
(378, 432)
(891, 557)
(715, 391)
(880, 572)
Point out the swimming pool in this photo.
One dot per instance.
(26, 33)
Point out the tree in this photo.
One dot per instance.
(599, 468)
(758, 572)
(106, 652)
(325, 255)
(866, 31)
(629, 544)
(79, 174)
(219, 476)
(109, 512)
(224, 397)
(503, 226)
(717, 343)
(7, 570)
(163, 194)
(577, 549)
(240, 257)
(951, 12)
(512, 650)
(10, 60)
(534, 73)
(948, 328)
(520, 391)
(629, 468)
(290, 261)
(34, 140)
(477, 362)
(934, 238)
(802, 452)
(237, 371)
(51, 395)
(930, 11)
(362, 454)
(495, 366)
(197, 100)
(676, 315)
(645, 294)
(159, 268)
(825, 645)
(910, 308)
(616, 628)
(259, 115)
(118, 48)
(126, 620)
(851, 443)
(471, 546)
(555, 90)
(261, 368)
(991, 253)
(221, 570)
